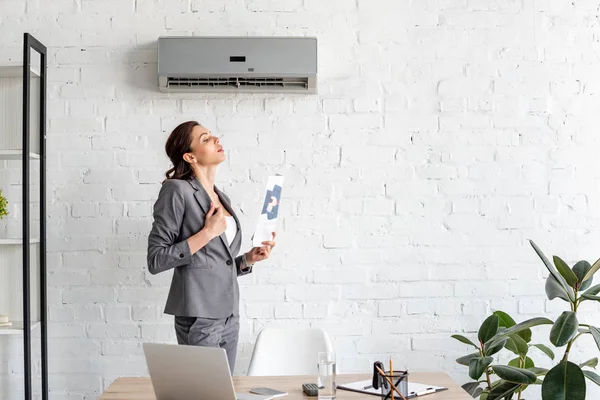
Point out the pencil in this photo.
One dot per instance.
(392, 375)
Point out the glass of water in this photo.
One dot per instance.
(326, 378)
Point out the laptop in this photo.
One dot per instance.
(180, 372)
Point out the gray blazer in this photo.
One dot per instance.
(204, 283)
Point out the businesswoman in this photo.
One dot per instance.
(197, 233)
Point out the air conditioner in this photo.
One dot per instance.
(237, 64)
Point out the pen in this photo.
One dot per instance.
(424, 392)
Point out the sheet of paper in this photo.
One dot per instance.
(267, 220)
(365, 387)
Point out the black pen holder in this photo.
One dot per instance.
(400, 379)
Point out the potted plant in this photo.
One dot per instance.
(3, 205)
(566, 380)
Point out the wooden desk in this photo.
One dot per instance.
(141, 388)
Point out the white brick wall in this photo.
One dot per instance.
(445, 134)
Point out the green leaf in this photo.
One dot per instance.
(494, 348)
(592, 376)
(471, 387)
(515, 375)
(484, 396)
(564, 329)
(525, 334)
(504, 390)
(521, 345)
(464, 340)
(596, 335)
(553, 271)
(586, 296)
(581, 269)
(465, 360)
(488, 328)
(594, 290)
(592, 363)
(592, 270)
(477, 366)
(546, 350)
(564, 382)
(565, 271)
(538, 371)
(504, 319)
(516, 362)
(555, 290)
(520, 327)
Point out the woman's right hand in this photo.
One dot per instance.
(215, 222)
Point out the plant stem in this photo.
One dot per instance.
(489, 381)
(574, 309)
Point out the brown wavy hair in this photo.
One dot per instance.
(178, 143)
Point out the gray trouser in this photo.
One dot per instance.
(208, 332)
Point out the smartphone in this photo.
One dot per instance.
(268, 392)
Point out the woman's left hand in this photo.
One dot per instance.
(261, 253)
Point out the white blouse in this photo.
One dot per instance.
(231, 229)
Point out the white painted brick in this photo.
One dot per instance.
(97, 175)
(117, 313)
(261, 293)
(61, 314)
(271, 5)
(378, 344)
(66, 329)
(315, 311)
(288, 310)
(113, 331)
(353, 291)
(75, 125)
(353, 122)
(92, 313)
(135, 192)
(139, 209)
(85, 226)
(84, 210)
(336, 106)
(111, 209)
(122, 348)
(12, 8)
(340, 276)
(68, 278)
(88, 296)
(391, 308)
(142, 295)
(260, 310)
(531, 305)
(312, 293)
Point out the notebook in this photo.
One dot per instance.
(414, 389)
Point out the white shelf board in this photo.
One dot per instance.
(18, 241)
(17, 328)
(16, 155)
(16, 71)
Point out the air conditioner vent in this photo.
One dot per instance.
(236, 83)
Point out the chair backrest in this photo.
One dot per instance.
(288, 351)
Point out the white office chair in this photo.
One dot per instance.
(288, 351)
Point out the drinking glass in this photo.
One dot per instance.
(326, 378)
